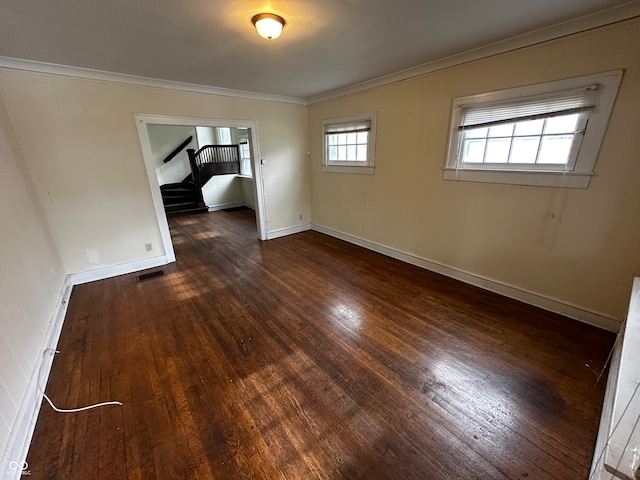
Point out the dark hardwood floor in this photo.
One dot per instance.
(306, 357)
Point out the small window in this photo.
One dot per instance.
(245, 156)
(224, 135)
(547, 134)
(348, 145)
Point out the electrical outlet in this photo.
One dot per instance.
(148, 246)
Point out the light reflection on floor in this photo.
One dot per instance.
(270, 389)
(494, 406)
(205, 235)
(184, 288)
(349, 315)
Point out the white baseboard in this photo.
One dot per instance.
(288, 231)
(115, 270)
(223, 206)
(551, 304)
(24, 426)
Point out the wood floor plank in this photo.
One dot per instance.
(305, 357)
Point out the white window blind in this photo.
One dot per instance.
(349, 144)
(546, 134)
(356, 127)
(531, 108)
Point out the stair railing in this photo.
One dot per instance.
(177, 150)
(221, 159)
(212, 160)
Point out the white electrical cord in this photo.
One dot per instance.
(73, 410)
(70, 410)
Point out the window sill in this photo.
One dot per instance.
(535, 179)
(360, 170)
(248, 177)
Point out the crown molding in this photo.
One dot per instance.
(603, 18)
(87, 73)
(588, 22)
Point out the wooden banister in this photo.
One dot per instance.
(177, 150)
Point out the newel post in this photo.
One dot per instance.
(195, 174)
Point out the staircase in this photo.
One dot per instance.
(181, 198)
(210, 160)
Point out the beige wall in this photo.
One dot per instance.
(31, 279)
(81, 147)
(578, 246)
(222, 190)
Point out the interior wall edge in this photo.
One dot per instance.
(555, 305)
(606, 417)
(282, 232)
(22, 431)
(115, 270)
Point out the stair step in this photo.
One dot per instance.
(168, 206)
(172, 194)
(196, 209)
(178, 189)
(179, 199)
(173, 187)
(181, 205)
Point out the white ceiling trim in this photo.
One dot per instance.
(607, 17)
(78, 72)
(570, 27)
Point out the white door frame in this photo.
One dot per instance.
(142, 120)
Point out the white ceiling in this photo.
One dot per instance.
(326, 44)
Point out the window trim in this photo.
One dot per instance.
(366, 168)
(583, 169)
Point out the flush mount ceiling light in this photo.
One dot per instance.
(268, 25)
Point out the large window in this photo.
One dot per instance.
(349, 144)
(547, 134)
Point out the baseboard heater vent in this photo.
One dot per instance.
(150, 275)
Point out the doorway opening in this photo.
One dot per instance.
(164, 141)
